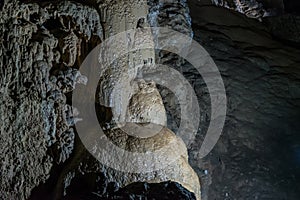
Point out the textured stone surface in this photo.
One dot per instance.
(256, 156)
(258, 8)
(43, 45)
(116, 78)
(253, 8)
(146, 105)
(69, 28)
(174, 15)
(177, 170)
(165, 190)
(138, 102)
(36, 120)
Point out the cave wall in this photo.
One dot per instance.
(257, 154)
(43, 44)
(41, 49)
(40, 59)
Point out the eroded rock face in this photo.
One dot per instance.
(36, 41)
(43, 44)
(260, 72)
(259, 8)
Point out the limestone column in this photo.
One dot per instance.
(134, 101)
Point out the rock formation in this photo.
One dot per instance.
(40, 51)
(43, 44)
(137, 105)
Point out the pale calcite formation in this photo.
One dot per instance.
(117, 77)
(146, 105)
(177, 170)
(136, 104)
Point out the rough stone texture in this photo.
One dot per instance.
(165, 190)
(42, 45)
(258, 8)
(257, 156)
(69, 28)
(251, 8)
(174, 15)
(116, 78)
(36, 120)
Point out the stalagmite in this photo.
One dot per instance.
(135, 102)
